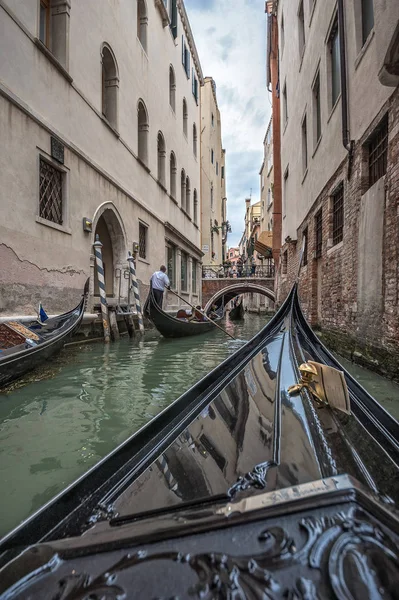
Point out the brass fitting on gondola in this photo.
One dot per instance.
(308, 373)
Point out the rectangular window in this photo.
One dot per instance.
(367, 19)
(173, 18)
(338, 215)
(212, 198)
(304, 145)
(335, 64)
(194, 85)
(184, 272)
(285, 191)
(171, 265)
(285, 105)
(284, 265)
(378, 152)
(194, 277)
(316, 111)
(217, 168)
(185, 57)
(212, 156)
(44, 26)
(305, 248)
(282, 35)
(318, 227)
(301, 29)
(142, 241)
(222, 172)
(50, 193)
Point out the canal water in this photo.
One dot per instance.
(68, 415)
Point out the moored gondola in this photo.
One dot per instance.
(25, 345)
(237, 312)
(172, 327)
(250, 485)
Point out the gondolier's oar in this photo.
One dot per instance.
(203, 314)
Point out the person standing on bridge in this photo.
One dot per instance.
(159, 281)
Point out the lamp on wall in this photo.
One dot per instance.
(87, 225)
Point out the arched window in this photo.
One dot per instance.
(183, 188)
(195, 139)
(161, 158)
(142, 23)
(185, 117)
(172, 175)
(143, 128)
(172, 88)
(188, 200)
(195, 198)
(110, 86)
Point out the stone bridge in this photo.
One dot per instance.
(213, 289)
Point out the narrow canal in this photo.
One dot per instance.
(91, 398)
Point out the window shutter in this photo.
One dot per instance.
(174, 19)
(193, 81)
(188, 64)
(183, 51)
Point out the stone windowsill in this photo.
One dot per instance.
(301, 57)
(142, 48)
(143, 164)
(143, 260)
(334, 107)
(305, 175)
(317, 146)
(312, 12)
(53, 59)
(334, 248)
(111, 127)
(173, 199)
(363, 49)
(161, 185)
(47, 223)
(285, 126)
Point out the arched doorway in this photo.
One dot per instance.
(111, 232)
(108, 259)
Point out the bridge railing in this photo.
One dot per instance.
(223, 271)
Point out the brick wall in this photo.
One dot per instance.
(329, 285)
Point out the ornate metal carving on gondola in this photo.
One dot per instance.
(345, 555)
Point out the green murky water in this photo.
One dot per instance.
(80, 406)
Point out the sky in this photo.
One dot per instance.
(230, 36)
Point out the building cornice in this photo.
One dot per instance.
(190, 39)
(179, 235)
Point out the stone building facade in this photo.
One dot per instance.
(213, 178)
(340, 191)
(267, 181)
(100, 122)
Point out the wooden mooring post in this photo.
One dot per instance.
(101, 285)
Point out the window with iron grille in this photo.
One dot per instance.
(378, 151)
(338, 215)
(305, 248)
(142, 241)
(285, 262)
(318, 226)
(50, 192)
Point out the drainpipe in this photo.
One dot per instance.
(346, 141)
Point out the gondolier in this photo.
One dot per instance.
(160, 281)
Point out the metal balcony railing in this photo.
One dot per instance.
(230, 272)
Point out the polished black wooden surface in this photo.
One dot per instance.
(234, 439)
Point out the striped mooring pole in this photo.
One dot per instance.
(101, 284)
(136, 293)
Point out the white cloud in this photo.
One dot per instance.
(230, 36)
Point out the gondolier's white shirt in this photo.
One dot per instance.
(159, 280)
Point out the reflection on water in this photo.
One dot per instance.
(92, 398)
